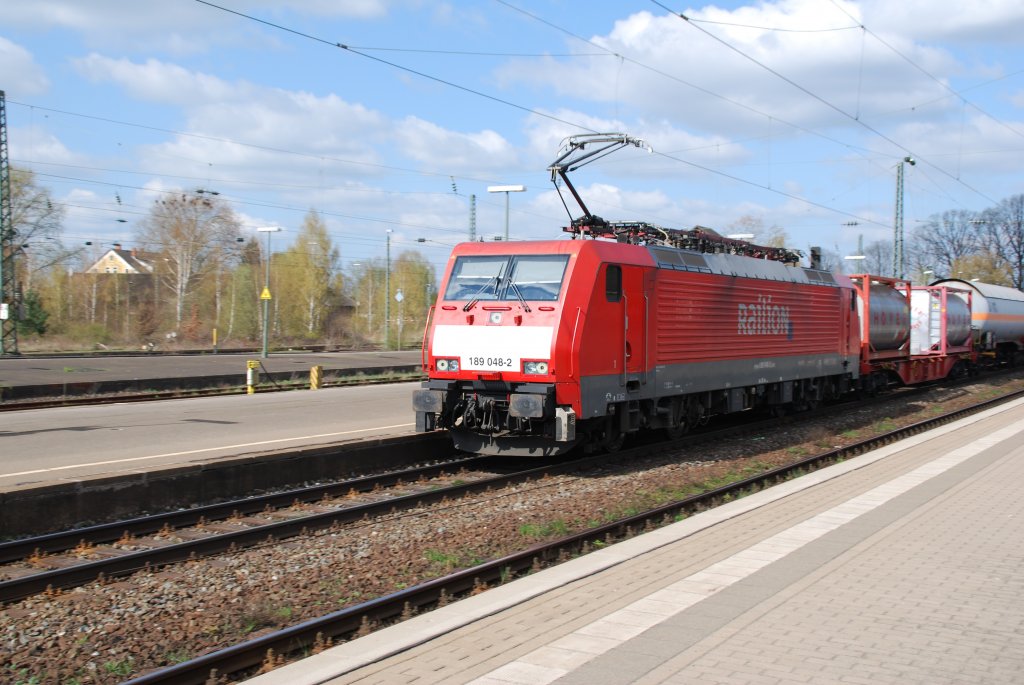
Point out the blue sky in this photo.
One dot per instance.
(790, 114)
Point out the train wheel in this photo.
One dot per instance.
(613, 442)
(613, 437)
(695, 414)
(677, 431)
(680, 426)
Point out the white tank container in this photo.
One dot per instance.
(926, 320)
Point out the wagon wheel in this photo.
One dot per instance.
(812, 404)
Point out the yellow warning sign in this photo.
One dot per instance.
(265, 295)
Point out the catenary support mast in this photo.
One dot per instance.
(8, 294)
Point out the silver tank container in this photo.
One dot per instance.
(926, 320)
(889, 326)
(997, 312)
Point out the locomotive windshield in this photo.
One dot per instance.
(507, 277)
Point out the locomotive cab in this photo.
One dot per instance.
(490, 348)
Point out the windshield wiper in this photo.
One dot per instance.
(476, 298)
(519, 294)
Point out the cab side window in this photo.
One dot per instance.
(613, 283)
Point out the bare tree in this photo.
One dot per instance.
(33, 213)
(875, 258)
(189, 236)
(773, 236)
(1003, 229)
(945, 238)
(37, 223)
(830, 260)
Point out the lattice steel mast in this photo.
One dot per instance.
(898, 260)
(8, 295)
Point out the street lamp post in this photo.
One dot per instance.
(506, 190)
(400, 298)
(897, 251)
(387, 294)
(265, 295)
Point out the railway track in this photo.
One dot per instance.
(346, 623)
(73, 558)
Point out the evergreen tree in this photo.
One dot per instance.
(33, 316)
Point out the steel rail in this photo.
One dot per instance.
(347, 622)
(217, 542)
(16, 550)
(221, 542)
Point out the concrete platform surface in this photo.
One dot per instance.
(905, 565)
(75, 444)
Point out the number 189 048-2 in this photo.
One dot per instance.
(499, 362)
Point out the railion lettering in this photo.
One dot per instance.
(763, 318)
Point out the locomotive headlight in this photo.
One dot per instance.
(453, 365)
(446, 364)
(442, 364)
(536, 368)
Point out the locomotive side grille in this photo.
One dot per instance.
(700, 315)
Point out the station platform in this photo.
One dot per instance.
(905, 565)
(42, 376)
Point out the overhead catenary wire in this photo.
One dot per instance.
(821, 100)
(577, 125)
(853, 148)
(927, 73)
(395, 65)
(255, 146)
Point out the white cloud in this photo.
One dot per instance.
(271, 118)
(39, 145)
(677, 72)
(175, 27)
(22, 76)
(985, 21)
(157, 81)
(460, 152)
